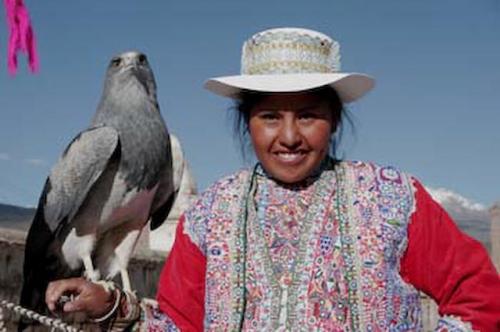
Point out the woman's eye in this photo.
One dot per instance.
(307, 116)
(268, 116)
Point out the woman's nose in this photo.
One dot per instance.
(290, 136)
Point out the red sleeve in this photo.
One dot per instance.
(451, 267)
(181, 290)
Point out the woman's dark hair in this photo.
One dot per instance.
(248, 99)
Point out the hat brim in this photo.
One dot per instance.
(349, 86)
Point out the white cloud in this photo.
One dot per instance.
(4, 156)
(36, 162)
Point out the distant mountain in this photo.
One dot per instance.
(12, 216)
(472, 218)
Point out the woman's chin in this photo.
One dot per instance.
(292, 169)
(289, 175)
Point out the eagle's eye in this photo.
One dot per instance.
(115, 62)
(142, 59)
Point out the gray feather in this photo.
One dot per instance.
(75, 173)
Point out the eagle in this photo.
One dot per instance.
(112, 179)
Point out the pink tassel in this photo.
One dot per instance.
(21, 36)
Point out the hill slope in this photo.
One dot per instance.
(12, 216)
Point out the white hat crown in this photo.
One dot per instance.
(289, 51)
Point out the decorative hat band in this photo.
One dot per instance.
(282, 51)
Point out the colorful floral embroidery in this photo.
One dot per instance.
(156, 321)
(210, 225)
(347, 274)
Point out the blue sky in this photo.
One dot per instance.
(435, 111)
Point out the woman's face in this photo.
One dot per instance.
(291, 134)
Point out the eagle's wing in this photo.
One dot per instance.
(169, 184)
(81, 164)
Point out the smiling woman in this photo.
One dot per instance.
(304, 241)
(291, 134)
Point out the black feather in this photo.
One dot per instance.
(159, 216)
(42, 262)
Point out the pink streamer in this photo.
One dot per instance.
(21, 36)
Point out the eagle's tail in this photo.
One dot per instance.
(42, 264)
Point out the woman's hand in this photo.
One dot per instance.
(91, 298)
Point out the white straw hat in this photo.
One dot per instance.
(291, 60)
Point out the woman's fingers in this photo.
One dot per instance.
(89, 297)
(57, 288)
(76, 305)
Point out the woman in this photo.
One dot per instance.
(304, 241)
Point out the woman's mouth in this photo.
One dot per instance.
(290, 157)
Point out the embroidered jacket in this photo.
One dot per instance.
(346, 250)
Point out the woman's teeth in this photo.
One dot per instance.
(289, 156)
